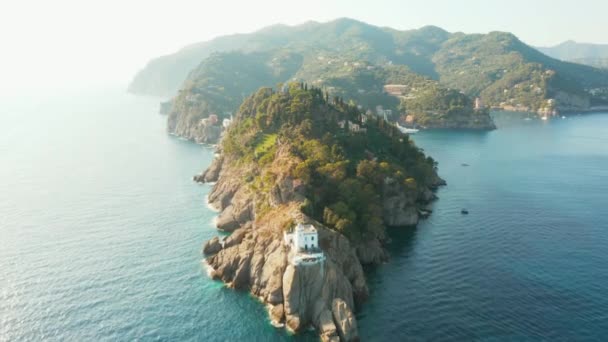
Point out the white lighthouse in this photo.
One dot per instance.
(304, 243)
(306, 237)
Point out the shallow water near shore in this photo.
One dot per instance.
(101, 228)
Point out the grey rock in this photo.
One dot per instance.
(371, 252)
(212, 173)
(277, 313)
(345, 320)
(212, 246)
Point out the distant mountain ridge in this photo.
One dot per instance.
(585, 53)
(571, 50)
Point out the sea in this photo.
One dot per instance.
(101, 229)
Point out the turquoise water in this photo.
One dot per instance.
(101, 229)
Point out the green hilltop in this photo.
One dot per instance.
(342, 157)
(497, 67)
(224, 79)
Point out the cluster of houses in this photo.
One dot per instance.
(395, 89)
(213, 120)
(303, 241)
(401, 91)
(351, 126)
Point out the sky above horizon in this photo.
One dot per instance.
(52, 44)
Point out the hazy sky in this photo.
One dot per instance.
(54, 43)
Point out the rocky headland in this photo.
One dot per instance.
(189, 118)
(261, 195)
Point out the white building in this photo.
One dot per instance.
(304, 243)
(478, 104)
(227, 122)
(305, 237)
(353, 127)
(383, 112)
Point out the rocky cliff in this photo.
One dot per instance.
(255, 258)
(190, 118)
(165, 107)
(286, 160)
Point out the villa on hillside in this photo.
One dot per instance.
(227, 122)
(383, 112)
(395, 89)
(478, 104)
(304, 244)
(356, 128)
(352, 127)
(213, 119)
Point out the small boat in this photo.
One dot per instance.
(544, 118)
(563, 117)
(464, 164)
(464, 212)
(406, 130)
(527, 119)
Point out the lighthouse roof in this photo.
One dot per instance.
(306, 228)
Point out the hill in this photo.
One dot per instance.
(595, 55)
(296, 156)
(222, 80)
(355, 60)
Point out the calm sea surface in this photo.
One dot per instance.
(101, 228)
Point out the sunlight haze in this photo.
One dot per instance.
(64, 43)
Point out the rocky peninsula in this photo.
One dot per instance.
(286, 160)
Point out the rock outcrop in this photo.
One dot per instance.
(212, 246)
(212, 174)
(371, 252)
(165, 107)
(200, 131)
(190, 118)
(399, 207)
(255, 258)
(301, 296)
(346, 323)
(403, 208)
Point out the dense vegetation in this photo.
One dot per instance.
(295, 133)
(601, 63)
(223, 80)
(504, 71)
(435, 106)
(496, 66)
